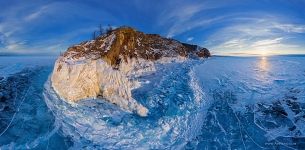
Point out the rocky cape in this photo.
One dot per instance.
(108, 66)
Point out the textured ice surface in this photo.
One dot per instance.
(223, 103)
(174, 117)
(25, 121)
(254, 103)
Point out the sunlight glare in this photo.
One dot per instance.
(263, 53)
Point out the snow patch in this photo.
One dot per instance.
(107, 42)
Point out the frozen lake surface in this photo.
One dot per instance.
(254, 103)
(221, 103)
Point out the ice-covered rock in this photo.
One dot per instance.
(108, 66)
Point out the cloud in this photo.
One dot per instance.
(13, 25)
(36, 14)
(182, 27)
(234, 43)
(48, 46)
(235, 30)
(190, 39)
(290, 28)
(267, 42)
(16, 28)
(268, 33)
(183, 16)
(226, 26)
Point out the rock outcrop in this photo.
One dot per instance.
(106, 66)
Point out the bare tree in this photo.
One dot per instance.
(109, 29)
(94, 35)
(101, 30)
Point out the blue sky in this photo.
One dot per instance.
(227, 27)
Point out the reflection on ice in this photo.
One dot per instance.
(262, 71)
(263, 63)
(263, 66)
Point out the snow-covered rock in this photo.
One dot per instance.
(109, 65)
(93, 78)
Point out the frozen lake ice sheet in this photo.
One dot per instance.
(13, 64)
(25, 121)
(174, 114)
(254, 103)
(224, 103)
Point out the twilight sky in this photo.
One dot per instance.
(227, 27)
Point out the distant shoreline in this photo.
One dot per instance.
(24, 55)
(290, 55)
(238, 55)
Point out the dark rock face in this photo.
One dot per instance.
(204, 53)
(125, 42)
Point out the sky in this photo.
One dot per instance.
(225, 27)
